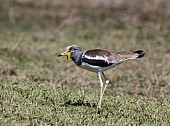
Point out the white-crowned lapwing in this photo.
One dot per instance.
(99, 60)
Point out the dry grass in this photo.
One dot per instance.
(153, 13)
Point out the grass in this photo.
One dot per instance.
(37, 88)
(26, 103)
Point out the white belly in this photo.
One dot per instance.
(95, 68)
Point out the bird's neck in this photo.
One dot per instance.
(76, 57)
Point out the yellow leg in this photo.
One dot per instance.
(101, 91)
(106, 83)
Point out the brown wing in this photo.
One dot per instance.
(97, 52)
(97, 57)
(104, 58)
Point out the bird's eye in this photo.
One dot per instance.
(72, 50)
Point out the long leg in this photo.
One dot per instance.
(101, 90)
(106, 83)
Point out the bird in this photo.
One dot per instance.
(98, 61)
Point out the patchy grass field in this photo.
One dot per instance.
(38, 88)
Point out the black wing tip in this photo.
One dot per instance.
(141, 53)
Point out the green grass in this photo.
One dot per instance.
(26, 103)
(38, 88)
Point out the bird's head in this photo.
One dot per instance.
(69, 51)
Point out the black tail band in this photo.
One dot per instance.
(141, 53)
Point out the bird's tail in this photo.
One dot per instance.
(140, 53)
(127, 55)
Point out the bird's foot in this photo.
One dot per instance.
(98, 109)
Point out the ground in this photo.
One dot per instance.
(38, 88)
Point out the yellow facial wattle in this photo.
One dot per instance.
(68, 55)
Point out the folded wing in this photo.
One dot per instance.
(104, 58)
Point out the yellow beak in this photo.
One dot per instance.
(66, 53)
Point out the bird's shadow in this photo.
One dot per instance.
(79, 102)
